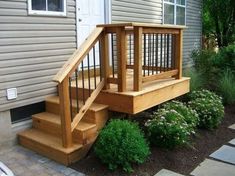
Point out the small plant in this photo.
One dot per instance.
(209, 107)
(196, 79)
(121, 143)
(189, 115)
(168, 129)
(226, 87)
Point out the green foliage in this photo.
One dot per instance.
(121, 143)
(225, 59)
(197, 81)
(171, 125)
(209, 107)
(189, 115)
(226, 87)
(219, 23)
(204, 65)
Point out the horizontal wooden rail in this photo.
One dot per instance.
(162, 75)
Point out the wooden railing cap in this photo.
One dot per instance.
(142, 25)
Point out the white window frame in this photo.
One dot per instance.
(46, 12)
(175, 5)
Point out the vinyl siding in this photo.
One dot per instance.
(32, 50)
(193, 34)
(150, 11)
(144, 11)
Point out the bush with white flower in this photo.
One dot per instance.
(168, 128)
(209, 107)
(190, 115)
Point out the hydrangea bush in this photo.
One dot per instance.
(121, 143)
(167, 128)
(189, 115)
(209, 107)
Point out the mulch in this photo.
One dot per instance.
(182, 160)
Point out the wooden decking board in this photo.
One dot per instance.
(94, 107)
(48, 140)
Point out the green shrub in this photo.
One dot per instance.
(226, 87)
(209, 107)
(225, 59)
(189, 115)
(168, 129)
(204, 64)
(197, 80)
(121, 143)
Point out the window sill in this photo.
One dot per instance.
(46, 13)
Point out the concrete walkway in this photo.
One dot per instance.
(220, 163)
(24, 162)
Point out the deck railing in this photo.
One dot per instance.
(152, 51)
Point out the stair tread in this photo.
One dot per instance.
(94, 107)
(82, 126)
(48, 140)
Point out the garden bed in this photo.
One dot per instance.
(182, 160)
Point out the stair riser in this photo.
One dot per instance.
(44, 150)
(54, 108)
(81, 137)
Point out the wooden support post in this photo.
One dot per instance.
(121, 58)
(105, 59)
(65, 114)
(138, 58)
(178, 53)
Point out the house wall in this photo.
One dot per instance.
(150, 11)
(32, 49)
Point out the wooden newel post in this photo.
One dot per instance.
(65, 114)
(138, 31)
(121, 58)
(104, 44)
(178, 53)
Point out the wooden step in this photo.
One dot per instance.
(49, 145)
(97, 113)
(50, 123)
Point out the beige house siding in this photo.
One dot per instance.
(32, 49)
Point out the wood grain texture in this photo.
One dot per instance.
(138, 58)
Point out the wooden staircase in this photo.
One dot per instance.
(45, 136)
(129, 67)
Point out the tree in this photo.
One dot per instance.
(219, 21)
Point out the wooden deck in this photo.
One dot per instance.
(132, 102)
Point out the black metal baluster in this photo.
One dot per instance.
(161, 56)
(100, 61)
(70, 99)
(156, 64)
(76, 79)
(144, 53)
(83, 84)
(173, 51)
(149, 53)
(112, 45)
(130, 49)
(153, 55)
(89, 80)
(167, 58)
(164, 53)
(94, 66)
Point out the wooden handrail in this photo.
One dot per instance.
(78, 56)
(146, 57)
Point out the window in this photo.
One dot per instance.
(47, 7)
(175, 12)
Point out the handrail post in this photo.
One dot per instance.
(121, 58)
(178, 53)
(138, 31)
(65, 114)
(104, 43)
